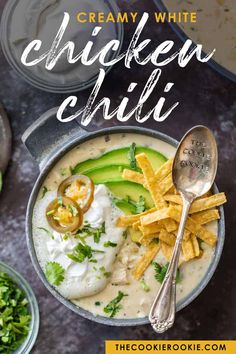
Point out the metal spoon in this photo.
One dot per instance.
(193, 173)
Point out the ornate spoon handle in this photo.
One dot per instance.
(162, 314)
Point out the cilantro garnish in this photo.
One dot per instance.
(54, 273)
(131, 156)
(88, 230)
(14, 315)
(160, 272)
(140, 205)
(81, 252)
(97, 233)
(134, 207)
(109, 244)
(44, 192)
(104, 272)
(114, 305)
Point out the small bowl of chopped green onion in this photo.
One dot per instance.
(19, 314)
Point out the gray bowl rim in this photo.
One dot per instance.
(36, 82)
(29, 342)
(183, 36)
(44, 172)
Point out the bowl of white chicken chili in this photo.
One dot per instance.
(95, 235)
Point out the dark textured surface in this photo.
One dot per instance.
(205, 97)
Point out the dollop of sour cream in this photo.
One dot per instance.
(86, 278)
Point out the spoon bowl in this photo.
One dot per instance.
(195, 163)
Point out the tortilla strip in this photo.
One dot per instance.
(204, 217)
(135, 235)
(208, 202)
(188, 249)
(193, 227)
(169, 224)
(133, 176)
(196, 247)
(155, 216)
(173, 191)
(167, 250)
(128, 220)
(150, 180)
(164, 170)
(146, 240)
(151, 228)
(145, 260)
(167, 237)
(166, 184)
(199, 204)
(201, 218)
(186, 234)
(136, 225)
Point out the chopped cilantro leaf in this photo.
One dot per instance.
(14, 315)
(131, 156)
(44, 192)
(54, 273)
(109, 244)
(135, 207)
(114, 305)
(104, 272)
(160, 272)
(140, 205)
(81, 252)
(88, 230)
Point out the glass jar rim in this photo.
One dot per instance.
(29, 342)
(38, 82)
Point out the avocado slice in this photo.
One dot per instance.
(132, 190)
(102, 175)
(120, 157)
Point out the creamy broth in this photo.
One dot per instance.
(138, 302)
(215, 27)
